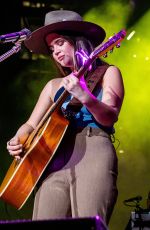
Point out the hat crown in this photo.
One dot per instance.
(63, 20)
(60, 16)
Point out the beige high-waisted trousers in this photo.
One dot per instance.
(81, 178)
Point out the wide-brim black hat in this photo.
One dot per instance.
(66, 21)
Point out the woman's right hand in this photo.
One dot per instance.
(14, 147)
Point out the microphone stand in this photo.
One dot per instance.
(138, 215)
(15, 49)
(135, 221)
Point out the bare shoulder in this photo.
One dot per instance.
(113, 70)
(52, 86)
(113, 73)
(113, 79)
(53, 83)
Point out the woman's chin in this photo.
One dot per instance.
(66, 63)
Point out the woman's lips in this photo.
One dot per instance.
(61, 58)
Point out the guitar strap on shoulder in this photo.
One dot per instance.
(92, 79)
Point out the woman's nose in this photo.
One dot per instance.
(56, 51)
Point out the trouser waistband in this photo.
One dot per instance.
(89, 131)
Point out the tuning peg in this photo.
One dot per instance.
(118, 45)
(105, 55)
(111, 50)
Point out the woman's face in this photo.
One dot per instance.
(62, 51)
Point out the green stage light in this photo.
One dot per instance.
(132, 129)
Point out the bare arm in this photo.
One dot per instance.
(106, 111)
(14, 146)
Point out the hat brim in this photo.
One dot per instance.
(36, 42)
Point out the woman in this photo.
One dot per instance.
(80, 181)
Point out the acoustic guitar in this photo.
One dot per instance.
(41, 145)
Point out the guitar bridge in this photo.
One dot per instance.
(68, 114)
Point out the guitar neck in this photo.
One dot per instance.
(99, 51)
(64, 95)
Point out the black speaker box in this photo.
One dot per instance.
(91, 223)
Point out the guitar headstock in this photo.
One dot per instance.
(112, 42)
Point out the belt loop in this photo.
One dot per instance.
(89, 130)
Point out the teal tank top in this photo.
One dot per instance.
(84, 118)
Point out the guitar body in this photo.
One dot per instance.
(23, 175)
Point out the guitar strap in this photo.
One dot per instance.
(92, 79)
